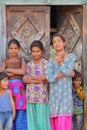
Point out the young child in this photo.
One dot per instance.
(78, 97)
(36, 91)
(58, 73)
(7, 107)
(14, 66)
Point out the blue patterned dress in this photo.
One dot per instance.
(60, 97)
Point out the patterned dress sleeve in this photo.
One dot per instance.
(68, 65)
(44, 66)
(50, 72)
(28, 69)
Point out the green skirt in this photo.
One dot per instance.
(38, 117)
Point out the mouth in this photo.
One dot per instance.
(58, 48)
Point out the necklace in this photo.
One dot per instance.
(13, 61)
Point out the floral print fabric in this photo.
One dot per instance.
(36, 93)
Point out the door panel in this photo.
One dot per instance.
(70, 26)
(29, 23)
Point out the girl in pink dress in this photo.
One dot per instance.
(14, 66)
(59, 73)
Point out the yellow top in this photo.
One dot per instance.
(80, 92)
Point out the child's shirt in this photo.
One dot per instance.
(78, 97)
(37, 93)
(5, 104)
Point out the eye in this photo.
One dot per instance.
(54, 42)
(10, 48)
(33, 51)
(15, 48)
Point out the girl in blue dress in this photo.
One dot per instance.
(59, 73)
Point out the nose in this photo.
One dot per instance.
(7, 82)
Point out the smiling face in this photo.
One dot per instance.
(58, 43)
(77, 82)
(36, 53)
(13, 50)
(4, 83)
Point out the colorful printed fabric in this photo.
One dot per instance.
(20, 121)
(77, 104)
(38, 117)
(80, 92)
(37, 93)
(60, 97)
(18, 93)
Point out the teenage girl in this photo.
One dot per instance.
(36, 91)
(59, 72)
(14, 66)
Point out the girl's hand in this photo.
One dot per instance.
(13, 116)
(31, 80)
(57, 59)
(3, 67)
(26, 79)
(7, 70)
(77, 86)
(72, 73)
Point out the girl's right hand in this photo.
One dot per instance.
(72, 73)
(3, 66)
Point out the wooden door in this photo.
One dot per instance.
(29, 23)
(70, 26)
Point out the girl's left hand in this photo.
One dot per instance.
(26, 79)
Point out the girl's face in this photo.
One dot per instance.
(36, 53)
(58, 43)
(13, 50)
(4, 83)
(77, 82)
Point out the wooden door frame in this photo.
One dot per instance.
(84, 57)
(2, 32)
(85, 62)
